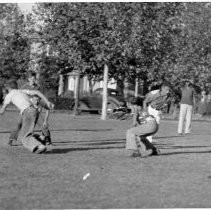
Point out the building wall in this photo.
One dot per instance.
(84, 84)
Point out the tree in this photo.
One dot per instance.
(149, 41)
(15, 50)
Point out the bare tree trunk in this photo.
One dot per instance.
(91, 85)
(61, 85)
(77, 94)
(136, 87)
(126, 84)
(105, 87)
(142, 87)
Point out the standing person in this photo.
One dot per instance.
(32, 84)
(136, 137)
(157, 100)
(28, 114)
(186, 108)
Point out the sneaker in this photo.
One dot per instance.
(40, 149)
(155, 151)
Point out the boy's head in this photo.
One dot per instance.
(35, 99)
(32, 78)
(165, 87)
(136, 101)
(11, 84)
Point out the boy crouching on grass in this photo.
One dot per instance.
(45, 137)
(136, 137)
(29, 114)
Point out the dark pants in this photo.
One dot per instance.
(45, 131)
(28, 123)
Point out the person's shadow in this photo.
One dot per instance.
(88, 145)
(67, 150)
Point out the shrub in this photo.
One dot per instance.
(68, 94)
(62, 103)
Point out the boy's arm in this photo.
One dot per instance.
(147, 100)
(145, 104)
(47, 113)
(7, 100)
(3, 108)
(37, 92)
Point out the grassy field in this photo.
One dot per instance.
(178, 178)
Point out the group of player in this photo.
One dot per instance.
(30, 101)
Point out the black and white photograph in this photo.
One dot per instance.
(105, 105)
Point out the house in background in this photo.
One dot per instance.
(68, 83)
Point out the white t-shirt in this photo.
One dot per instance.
(19, 98)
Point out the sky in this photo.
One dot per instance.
(26, 7)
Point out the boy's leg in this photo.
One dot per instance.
(141, 147)
(46, 133)
(156, 114)
(188, 119)
(133, 141)
(28, 123)
(150, 148)
(182, 114)
(45, 129)
(14, 134)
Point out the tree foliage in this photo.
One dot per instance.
(135, 39)
(152, 41)
(14, 47)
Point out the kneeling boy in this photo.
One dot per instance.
(136, 137)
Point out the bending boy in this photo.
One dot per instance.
(29, 114)
(32, 84)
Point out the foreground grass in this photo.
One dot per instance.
(180, 177)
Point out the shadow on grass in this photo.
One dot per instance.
(184, 152)
(93, 130)
(68, 129)
(67, 150)
(166, 137)
(116, 141)
(89, 145)
(181, 147)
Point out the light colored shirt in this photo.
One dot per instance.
(19, 98)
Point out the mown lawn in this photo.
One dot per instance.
(179, 178)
